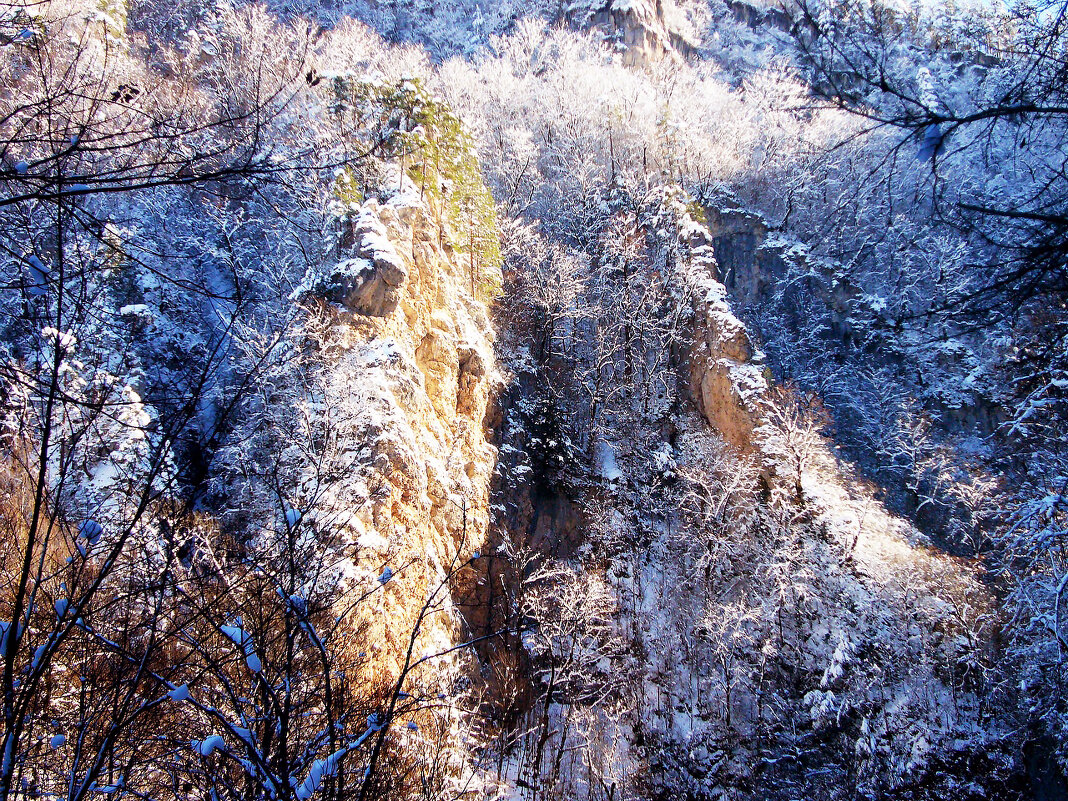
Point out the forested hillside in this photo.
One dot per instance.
(637, 399)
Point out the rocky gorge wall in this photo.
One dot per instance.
(636, 28)
(813, 591)
(761, 624)
(768, 642)
(409, 377)
(727, 377)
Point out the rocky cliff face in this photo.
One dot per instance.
(727, 376)
(637, 28)
(798, 597)
(406, 356)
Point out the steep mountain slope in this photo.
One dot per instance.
(386, 447)
(330, 473)
(775, 630)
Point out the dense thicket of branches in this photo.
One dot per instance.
(167, 178)
(981, 106)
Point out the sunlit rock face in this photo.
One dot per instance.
(636, 28)
(369, 283)
(404, 337)
(727, 373)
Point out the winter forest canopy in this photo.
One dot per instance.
(528, 400)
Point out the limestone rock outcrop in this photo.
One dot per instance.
(370, 282)
(728, 379)
(409, 375)
(637, 28)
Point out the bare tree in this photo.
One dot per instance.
(102, 556)
(792, 432)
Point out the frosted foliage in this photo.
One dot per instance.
(530, 400)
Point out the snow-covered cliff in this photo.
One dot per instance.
(406, 375)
